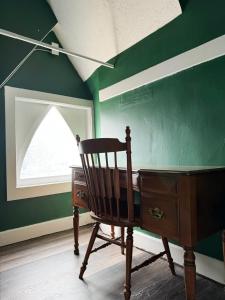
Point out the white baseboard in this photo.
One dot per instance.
(12, 236)
(206, 266)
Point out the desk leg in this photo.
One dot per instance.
(129, 252)
(223, 240)
(190, 273)
(76, 229)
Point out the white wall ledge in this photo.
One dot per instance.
(203, 53)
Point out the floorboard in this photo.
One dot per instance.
(45, 268)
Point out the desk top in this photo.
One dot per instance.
(187, 170)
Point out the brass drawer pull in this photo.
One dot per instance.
(157, 213)
(81, 194)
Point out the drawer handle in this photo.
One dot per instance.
(81, 194)
(157, 213)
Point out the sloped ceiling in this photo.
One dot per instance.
(104, 28)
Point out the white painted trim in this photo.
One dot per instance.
(207, 266)
(15, 192)
(36, 230)
(203, 53)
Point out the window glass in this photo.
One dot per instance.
(52, 149)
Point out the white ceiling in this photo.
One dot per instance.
(104, 28)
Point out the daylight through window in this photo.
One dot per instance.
(51, 152)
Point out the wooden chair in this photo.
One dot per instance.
(106, 203)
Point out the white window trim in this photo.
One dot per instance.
(14, 192)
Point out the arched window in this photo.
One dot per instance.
(51, 152)
(40, 142)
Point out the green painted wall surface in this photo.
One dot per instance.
(42, 72)
(22, 17)
(178, 120)
(175, 121)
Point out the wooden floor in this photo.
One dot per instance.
(46, 268)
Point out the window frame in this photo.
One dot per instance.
(42, 189)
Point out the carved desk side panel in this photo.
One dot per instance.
(79, 188)
(210, 203)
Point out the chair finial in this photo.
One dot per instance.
(78, 139)
(127, 133)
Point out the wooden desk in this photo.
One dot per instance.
(191, 202)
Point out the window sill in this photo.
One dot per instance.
(37, 191)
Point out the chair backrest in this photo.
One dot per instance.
(103, 182)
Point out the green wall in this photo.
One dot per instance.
(178, 120)
(42, 72)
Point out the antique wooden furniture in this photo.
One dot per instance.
(193, 204)
(108, 203)
(80, 197)
(185, 204)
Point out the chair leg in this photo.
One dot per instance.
(89, 248)
(168, 254)
(112, 232)
(129, 251)
(122, 240)
(223, 241)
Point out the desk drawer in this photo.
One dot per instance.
(159, 214)
(80, 197)
(78, 176)
(159, 183)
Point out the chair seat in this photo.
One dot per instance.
(123, 215)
